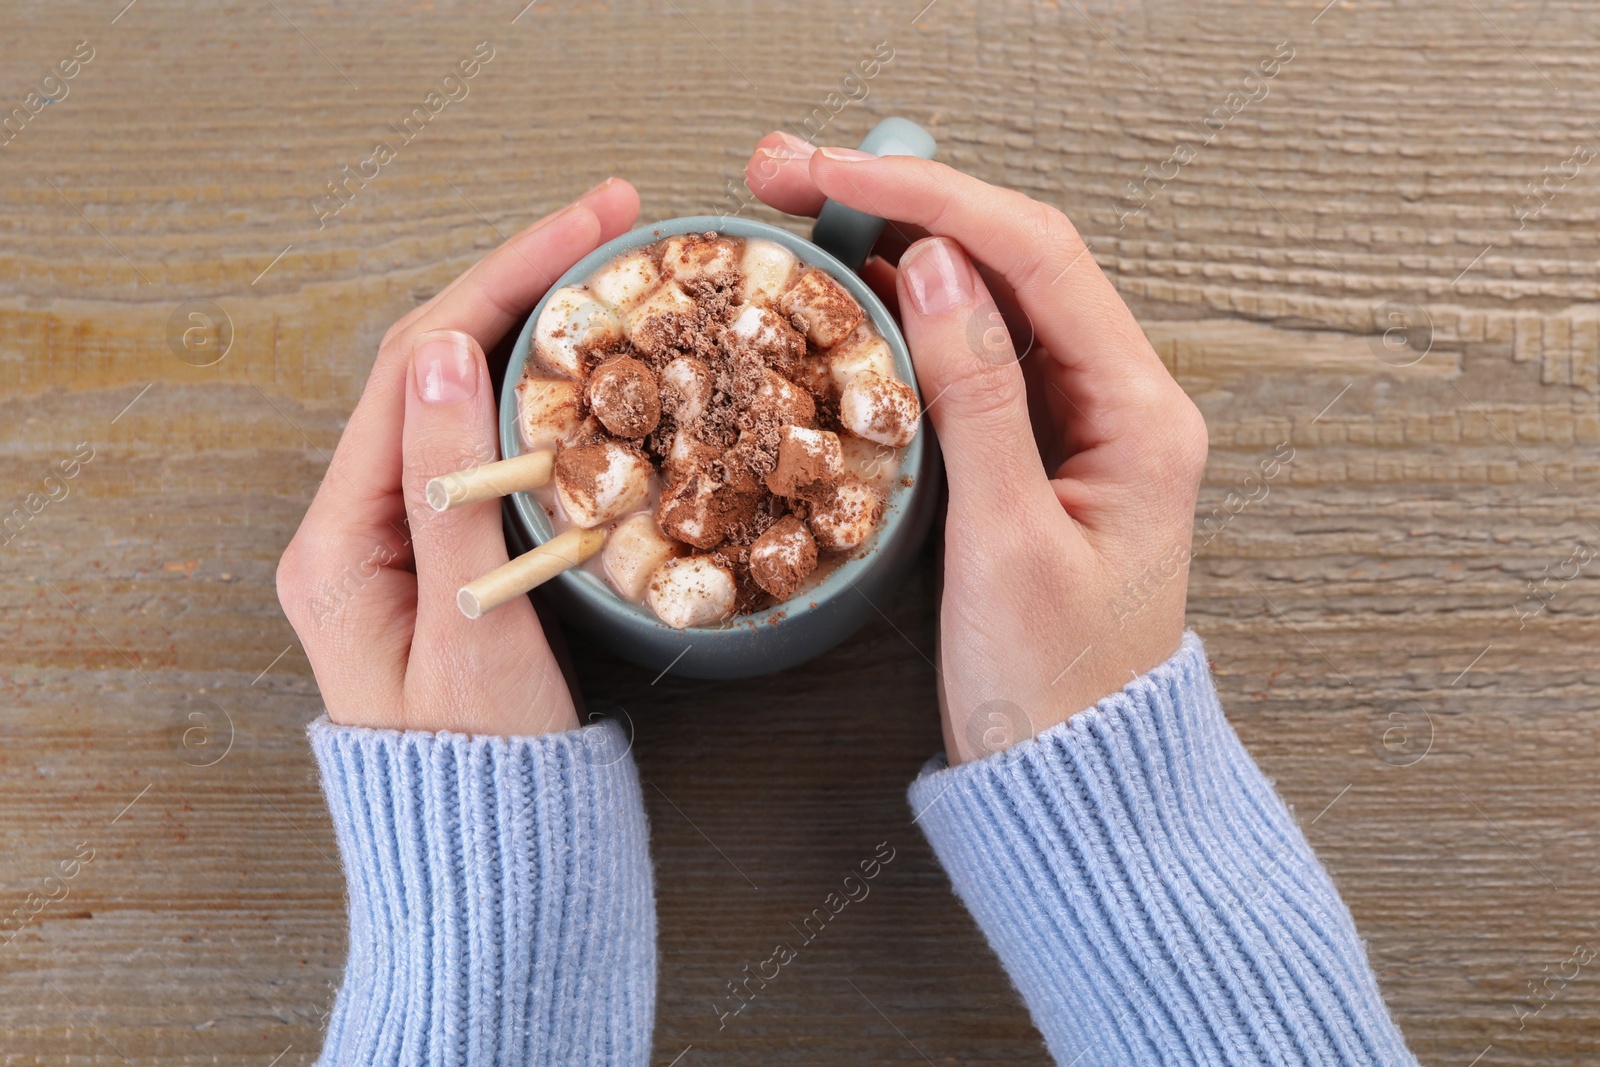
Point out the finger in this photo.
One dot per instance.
(1080, 318)
(450, 425)
(972, 387)
(778, 174)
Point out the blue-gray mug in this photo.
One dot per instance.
(815, 619)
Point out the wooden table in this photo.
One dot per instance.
(1368, 613)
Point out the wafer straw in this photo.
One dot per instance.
(529, 570)
(490, 481)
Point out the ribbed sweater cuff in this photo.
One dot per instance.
(1150, 894)
(500, 898)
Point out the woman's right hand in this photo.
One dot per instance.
(1073, 472)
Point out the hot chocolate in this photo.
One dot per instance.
(729, 414)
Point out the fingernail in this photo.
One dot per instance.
(846, 155)
(937, 275)
(597, 188)
(790, 141)
(446, 368)
(782, 153)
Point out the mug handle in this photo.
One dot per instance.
(849, 234)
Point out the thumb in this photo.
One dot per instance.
(458, 664)
(972, 385)
(449, 426)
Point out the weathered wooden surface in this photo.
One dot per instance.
(1362, 615)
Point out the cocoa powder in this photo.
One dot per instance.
(622, 394)
(783, 557)
(580, 467)
(802, 472)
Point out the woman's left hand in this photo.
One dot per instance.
(369, 581)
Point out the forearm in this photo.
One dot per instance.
(500, 895)
(1151, 896)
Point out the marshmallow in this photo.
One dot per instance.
(690, 257)
(783, 557)
(643, 324)
(845, 521)
(626, 280)
(687, 453)
(863, 351)
(880, 409)
(693, 591)
(770, 336)
(703, 506)
(829, 312)
(868, 460)
(623, 396)
(810, 463)
(572, 325)
(547, 410)
(783, 401)
(767, 267)
(633, 552)
(598, 482)
(686, 389)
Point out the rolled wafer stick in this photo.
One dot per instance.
(531, 569)
(490, 481)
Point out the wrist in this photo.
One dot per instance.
(1084, 666)
(547, 710)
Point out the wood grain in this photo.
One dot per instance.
(1362, 616)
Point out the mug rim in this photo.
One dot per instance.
(534, 525)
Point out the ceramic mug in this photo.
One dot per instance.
(816, 619)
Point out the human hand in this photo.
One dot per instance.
(1073, 472)
(369, 581)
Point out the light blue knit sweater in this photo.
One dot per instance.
(1147, 891)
